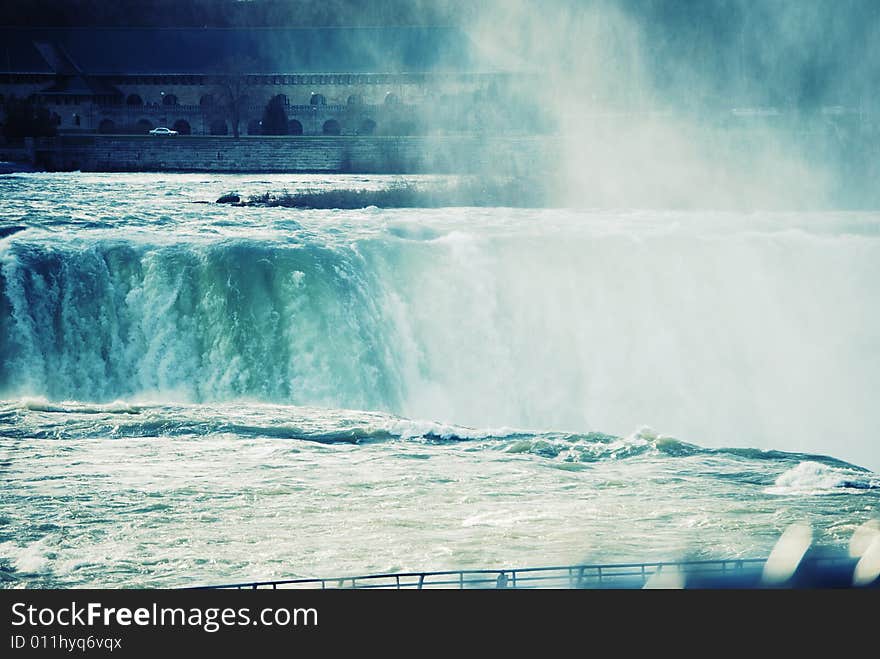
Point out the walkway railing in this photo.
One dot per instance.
(822, 571)
(620, 575)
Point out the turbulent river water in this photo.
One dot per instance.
(199, 393)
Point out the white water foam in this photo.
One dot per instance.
(810, 478)
(723, 329)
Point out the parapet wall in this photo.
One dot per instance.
(457, 154)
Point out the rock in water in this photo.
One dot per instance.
(9, 230)
(229, 199)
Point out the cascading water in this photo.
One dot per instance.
(762, 334)
(193, 322)
(302, 372)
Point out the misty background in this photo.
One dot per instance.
(722, 103)
(653, 103)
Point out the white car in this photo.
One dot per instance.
(163, 131)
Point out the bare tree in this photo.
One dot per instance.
(231, 84)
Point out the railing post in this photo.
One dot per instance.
(421, 580)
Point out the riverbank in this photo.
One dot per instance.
(347, 154)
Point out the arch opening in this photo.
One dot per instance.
(182, 126)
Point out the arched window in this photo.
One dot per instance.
(143, 126)
(368, 127)
(169, 99)
(355, 99)
(107, 126)
(206, 101)
(282, 98)
(255, 127)
(219, 127)
(134, 99)
(294, 127)
(331, 127)
(391, 99)
(182, 126)
(317, 99)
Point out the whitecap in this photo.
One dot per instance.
(816, 478)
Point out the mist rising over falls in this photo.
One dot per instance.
(720, 329)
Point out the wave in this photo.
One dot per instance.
(816, 478)
(42, 419)
(119, 420)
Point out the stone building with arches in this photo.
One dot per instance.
(328, 81)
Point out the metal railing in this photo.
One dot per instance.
(615, 575)
(818, 570)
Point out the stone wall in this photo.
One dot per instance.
(464, 154)
(448, 97)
